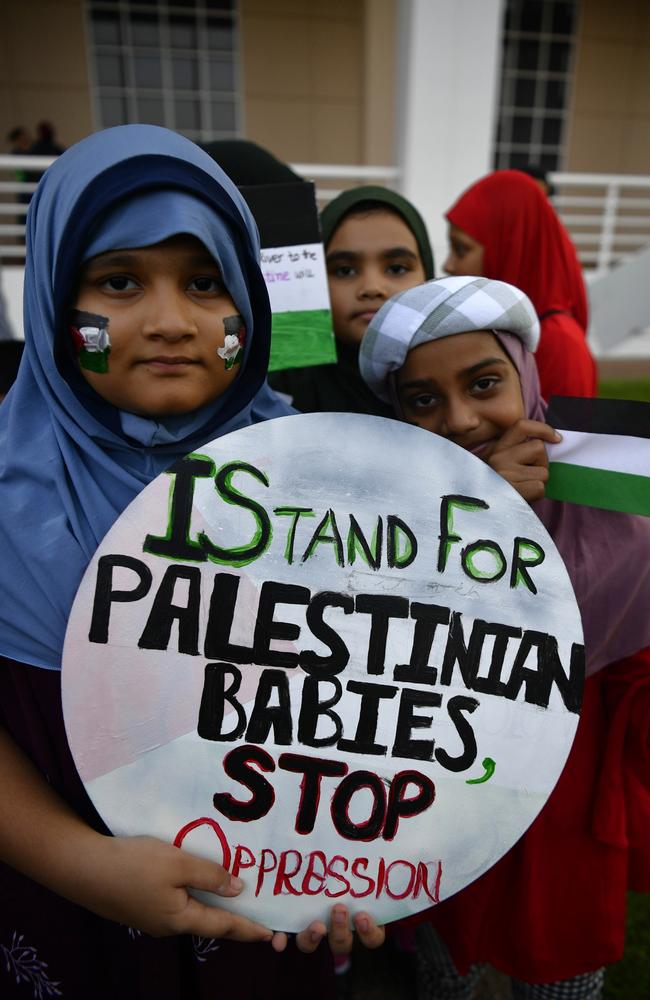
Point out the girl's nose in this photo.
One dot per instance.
(169, 314)
(372, 285)
(459, 417)
(449, 266)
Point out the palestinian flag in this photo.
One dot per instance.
(293, 265)
(604, 457)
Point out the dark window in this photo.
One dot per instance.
(521, 129)
(524, 93)
(145, 30)
(106, 29)
(148, 71)
(559, 54)
(552, 131)
(109, 71)
(536, 60)
(171, 63)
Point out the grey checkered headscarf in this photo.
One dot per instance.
(439, 309)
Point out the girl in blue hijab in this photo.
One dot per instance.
(147, 333)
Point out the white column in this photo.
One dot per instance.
(449, 55)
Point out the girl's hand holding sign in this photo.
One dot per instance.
(520, 456)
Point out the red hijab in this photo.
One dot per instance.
(524, 242)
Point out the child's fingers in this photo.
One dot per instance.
(525, 429)
(208, 876)
(370, 933)
(340, 933)
(309, 939)
(530, 452)
(208, 921)
(279, 941)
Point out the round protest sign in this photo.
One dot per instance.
(335, 653)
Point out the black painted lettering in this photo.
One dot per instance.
(448, 536)
(549, 670)
(321, 537)
(295, 513)
(178, 543)
(312, 707)
(519, 571)
(241, 555)
(357, 542)
(371, 695)
(313, 770)
(456, 706)
(267, 629)
(381, 608)
(400, 806)
(401, 543)
(427, 618)
(238, 765)
(265, 717)
(105, 595)
(466, 655)
(163, 614)
(312, 662)
(216, 694)
(407, 721)
(351, 784)
(217, 645)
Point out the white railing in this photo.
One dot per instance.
(351, 176)
(12, 208)
(607, 215)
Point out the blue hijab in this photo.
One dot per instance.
(69, 461)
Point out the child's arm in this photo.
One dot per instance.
(520, 457)
(137, 881)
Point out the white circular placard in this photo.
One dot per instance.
(334, 652)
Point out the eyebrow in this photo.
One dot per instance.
(122, 259)
(418, 383)
(338, 255)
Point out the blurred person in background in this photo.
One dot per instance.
(46, 144)
(376, 244)
(504, 227)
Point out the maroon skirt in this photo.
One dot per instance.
(554, 906)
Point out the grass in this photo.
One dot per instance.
(619, 388)
(630, 978)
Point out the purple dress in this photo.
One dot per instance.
(52, 948)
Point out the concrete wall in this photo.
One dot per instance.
(610, 121)
(319, 78)
(43, 68)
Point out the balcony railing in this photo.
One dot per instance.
(607, 215)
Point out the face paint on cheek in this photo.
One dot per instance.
(90, 337)
(232, 351)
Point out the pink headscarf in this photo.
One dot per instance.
(607, 554)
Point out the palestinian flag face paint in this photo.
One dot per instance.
(604, 457)
(89, 333)
(232, 351)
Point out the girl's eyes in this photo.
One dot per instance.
(122, 283)
(485, 383)
(119, 283)
(343, 271)
(423, 401)
(348, 271)
(205, 284)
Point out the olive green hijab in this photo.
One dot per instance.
(347, 202)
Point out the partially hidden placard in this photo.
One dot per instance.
(335, 653)
(293, 265)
